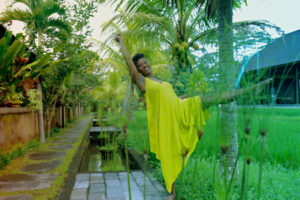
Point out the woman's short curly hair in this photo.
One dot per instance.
(136, 57)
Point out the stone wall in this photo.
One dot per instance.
(17, 127)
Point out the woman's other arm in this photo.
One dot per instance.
(225, 97)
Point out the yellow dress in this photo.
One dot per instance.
(172, 125)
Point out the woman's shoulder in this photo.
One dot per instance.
(155, 80)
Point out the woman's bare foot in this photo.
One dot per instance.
(171, 197)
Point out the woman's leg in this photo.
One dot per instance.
(173, 193)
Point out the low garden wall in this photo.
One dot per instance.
(17, 126)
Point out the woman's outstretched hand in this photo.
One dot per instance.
(118, 38)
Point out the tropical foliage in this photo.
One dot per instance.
(40, 20)
(60, 55)
(19, 72)
(184, 31)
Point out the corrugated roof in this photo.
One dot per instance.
(283, 50)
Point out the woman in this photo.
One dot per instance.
(173, 123)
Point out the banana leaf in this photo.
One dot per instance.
(9, 56)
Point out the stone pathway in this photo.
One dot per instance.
(114, 186)
(36, 176)
(87, 186)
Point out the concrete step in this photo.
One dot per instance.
(110, 129)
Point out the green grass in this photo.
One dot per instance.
(138, 132)
(283, 134)
(278, 182)
(5, 158)
(281, 174)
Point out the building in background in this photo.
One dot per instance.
(280, 60)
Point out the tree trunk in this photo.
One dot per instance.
(40, 114)
(50, 116)
(39, 88)
(40, 37)
(229, 144)
(48, 125)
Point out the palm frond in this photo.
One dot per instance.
(106, 49)
(61, 34)
(51, 7)
(27, 3)
(57, 23)
(140, 19)
(252, 24)
(247, 27)
(16, 14)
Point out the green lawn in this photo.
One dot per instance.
(283, 134)
(281, 171)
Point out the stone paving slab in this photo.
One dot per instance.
(79, 194)
(137, 174)
(96, 178)
(17, 197)
(81, 185)
(114, 186)
(20, 182)
(97, 196)
(67, 140)
(41, 167)
(115, 192)
(123, 176)
(111, 176)
(97, 188)
(46, 155)
(150, 190)
(82, 177)
(62, 147)
(141, 181)
(113, 183)
(69, 135)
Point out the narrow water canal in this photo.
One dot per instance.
(112, 158)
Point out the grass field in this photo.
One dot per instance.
(281, 171)
(283, 134)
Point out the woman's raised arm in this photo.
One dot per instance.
(134, 74)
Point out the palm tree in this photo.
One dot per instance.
(169, 27)
(40, 17)
(178, 28)
(40, 21)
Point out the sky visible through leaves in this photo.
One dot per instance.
(284, 14)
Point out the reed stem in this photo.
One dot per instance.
(181, 179)
(263, 141)
(127, 164)
(233, 171)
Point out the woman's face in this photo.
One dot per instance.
(144, 67)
